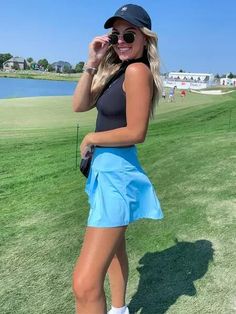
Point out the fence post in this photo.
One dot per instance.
(76, 150)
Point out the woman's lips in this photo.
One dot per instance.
(123, 49)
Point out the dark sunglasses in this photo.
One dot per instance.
(129, 38)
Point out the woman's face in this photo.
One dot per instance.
(126, 51)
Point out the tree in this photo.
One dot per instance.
(217, 76)
(50, 68)
(30, 60)
(66, 69)
(4, 57)
(79, 67)
(43, 63)
(181, 71)
(230, 75)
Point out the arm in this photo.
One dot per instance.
(81, 100)
(138, 87)
(82, 96)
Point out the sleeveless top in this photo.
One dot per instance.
(111, 107)
(111, 104)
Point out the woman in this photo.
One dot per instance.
(125, 90)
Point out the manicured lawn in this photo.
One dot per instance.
(182, 264)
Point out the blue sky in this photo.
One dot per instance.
(194, 35)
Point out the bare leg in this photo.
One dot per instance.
(99, 247)
(118, 275)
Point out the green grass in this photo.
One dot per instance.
(182, 264)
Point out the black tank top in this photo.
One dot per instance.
(111, 107)
(111, 104)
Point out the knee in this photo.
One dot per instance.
(85, 288)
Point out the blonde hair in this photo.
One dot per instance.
(111, 63)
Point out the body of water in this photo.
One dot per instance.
(14, 88)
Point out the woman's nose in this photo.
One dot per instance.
(120, 39)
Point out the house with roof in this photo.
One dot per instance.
(59, 66)
(15, 62)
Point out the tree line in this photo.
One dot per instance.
(41, 64)
(229, 75)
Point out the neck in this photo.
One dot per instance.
(143, 59)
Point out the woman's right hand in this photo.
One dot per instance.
(97, 50)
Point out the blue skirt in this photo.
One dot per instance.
(119, 190)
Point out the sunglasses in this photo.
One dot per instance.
(128, 37)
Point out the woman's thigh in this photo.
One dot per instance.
(98, 249)
(120, 252)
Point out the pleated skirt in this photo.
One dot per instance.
(119, 191)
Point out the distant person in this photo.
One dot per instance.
(183, 94)
(163, 94)
(121, 79)
(172, 94)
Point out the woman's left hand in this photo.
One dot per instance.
(86, 145)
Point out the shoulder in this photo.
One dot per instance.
(137, 75)
(138, 70)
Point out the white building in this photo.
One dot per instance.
(189, 80)
(227, 81)
(18, 62)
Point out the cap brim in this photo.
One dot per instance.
(109, 23)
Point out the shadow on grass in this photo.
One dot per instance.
(166, 275)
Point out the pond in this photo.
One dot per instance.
(15, 87)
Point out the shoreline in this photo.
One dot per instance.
(41, 75)
(34, 97)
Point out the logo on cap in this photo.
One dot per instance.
(124, 9)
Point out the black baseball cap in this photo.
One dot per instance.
(133, 14)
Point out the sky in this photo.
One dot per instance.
(193, 35)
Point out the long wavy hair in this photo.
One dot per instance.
(111, 63)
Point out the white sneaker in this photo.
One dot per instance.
(126, 311)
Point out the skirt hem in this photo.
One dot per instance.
(123, 223)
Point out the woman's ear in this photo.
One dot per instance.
(145, 42)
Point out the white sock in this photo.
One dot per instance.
(118, 310)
